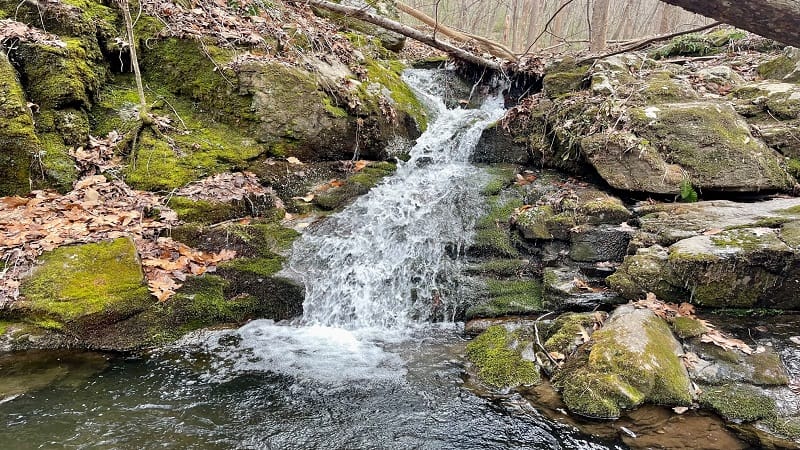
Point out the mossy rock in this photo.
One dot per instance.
(567, 332)
(500, 267)
(687, 327)
(18, 141)
(633, 359)
(696, 44)
(509, 297)
(86, 285)
(738, 402)
(257, 240)
(354, 185)
(492, 237)
(562, 82)
(661, 87)
(708, 142)
(785, 67)
(197, 147)
(497, 356)
(211, 212)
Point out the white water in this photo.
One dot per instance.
(382, 267)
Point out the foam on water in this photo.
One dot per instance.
(383, 266)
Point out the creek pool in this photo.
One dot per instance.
(407, 394)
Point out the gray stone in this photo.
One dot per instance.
(600, 243)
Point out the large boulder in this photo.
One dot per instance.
(707, 143)
(17, 137)
(634, 359)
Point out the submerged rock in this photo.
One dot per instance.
(632, 360)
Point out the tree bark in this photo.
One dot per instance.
(599, 24)
(774, 19)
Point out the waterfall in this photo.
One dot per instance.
(388, 259)
(378, 267)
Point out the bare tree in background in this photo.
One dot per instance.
(599, 25)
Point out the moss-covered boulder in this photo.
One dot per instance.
(785, 67)
(632, 360)
(508, 297)
(570, 330)
(568, 289)
(564, 77)
(706, 142)
(502, 359)
(18, 141)
(81, 287)
(739, 268)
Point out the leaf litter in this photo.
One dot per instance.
(98, 209)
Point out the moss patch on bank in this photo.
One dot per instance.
(82, 280)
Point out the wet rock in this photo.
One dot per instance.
(632, 360)
(566, 288)
(570, 330)
(503, 359)
(599, 243)
(738, 402)
(508, 297)
(498, 146)
(564, 77)
(718, 366)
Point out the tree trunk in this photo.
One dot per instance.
(774, 19)
(599, 24)
(407, 31)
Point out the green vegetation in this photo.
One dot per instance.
(498, 363)
(738, 402)
(509, 297)
(77, 281)
(687, 327)
(687, 193)
(567, 330)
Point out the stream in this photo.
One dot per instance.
(375, 362)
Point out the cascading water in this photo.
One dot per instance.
(387, 259)
(382, 265)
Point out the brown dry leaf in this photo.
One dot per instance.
(14, 202)
(680, 409)
(583, 334)
(712, 231)
(308, 198)
(293, 160)
(720, 340)
(557, 356)
(580, 284)
(360, 164)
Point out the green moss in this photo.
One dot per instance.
(738, 402)
(567, 330)
(744, 239)
(81, 280)
(498, 364)
(57, 166)
(777, 68)
(699, 44)
(197, 147)
(560, 83)
(354, 185)
(258, 266)
(786, 426)
(661, 87)
(687, 327)
(793, 167)
(17, 138)
(616, 374)
(504, 297)
(533, 222)
(332, 109)
(492, 230)
(204, 211)
(403, 96)
(197, 70)
(60, 77)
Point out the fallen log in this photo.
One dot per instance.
(407, 31)
(493, 48)
(774, 19)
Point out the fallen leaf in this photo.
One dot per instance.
(293, 160)
(680, 409)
